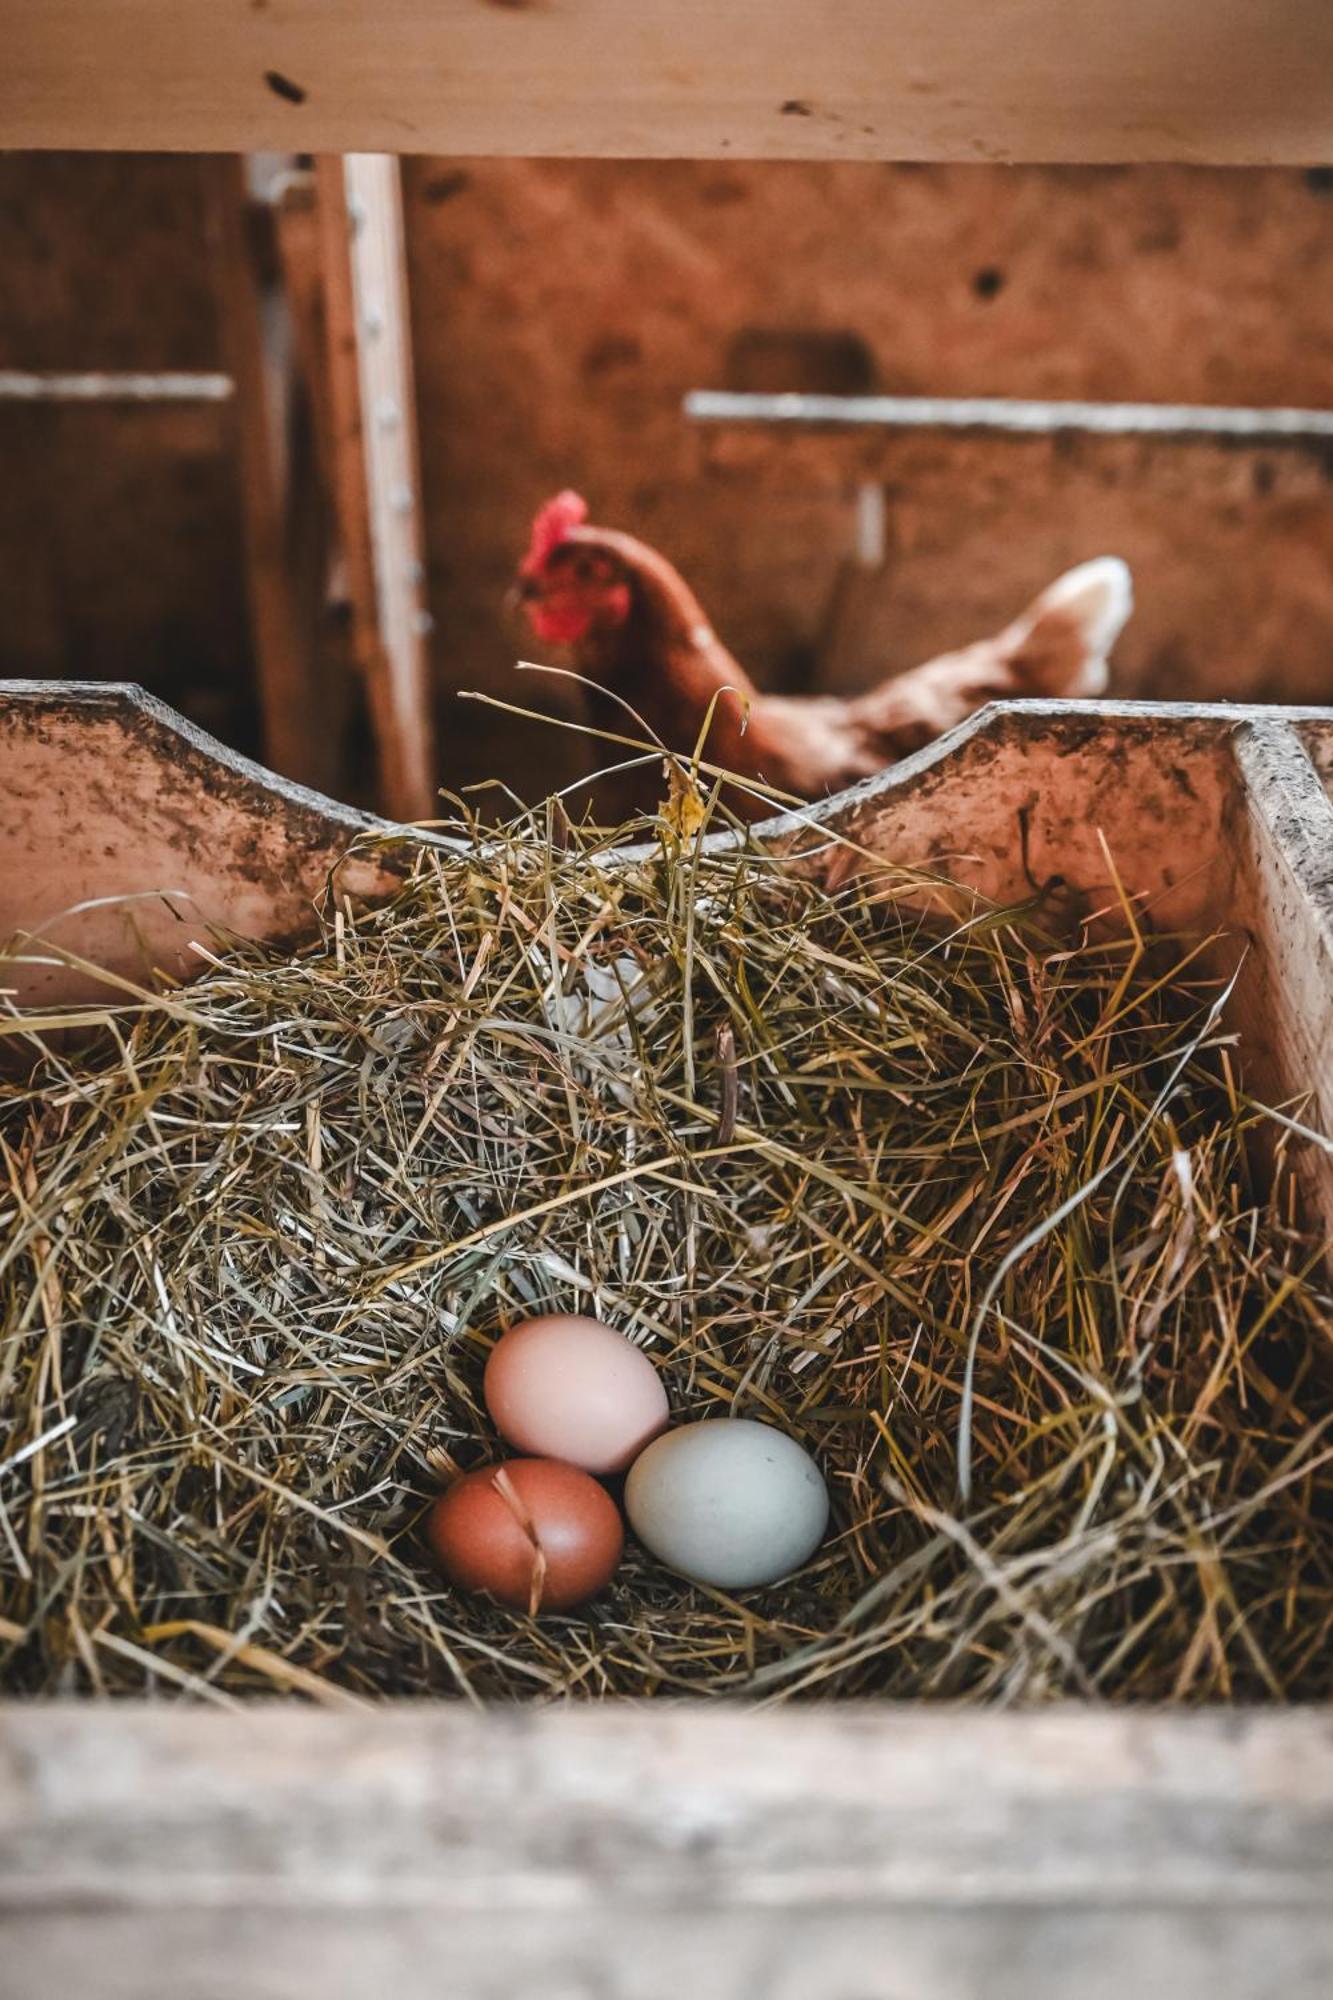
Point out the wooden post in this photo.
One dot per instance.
(316, 556)
(376, 482)
(298, 242)
(296, 741)
(1284, 840)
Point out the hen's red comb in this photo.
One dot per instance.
(551, 528)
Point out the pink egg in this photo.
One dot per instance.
(570, 1388)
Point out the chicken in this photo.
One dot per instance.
(635, 629)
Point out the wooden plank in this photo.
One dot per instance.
(1023, 790)
(1012, 416)
(1285, 856)
(298, 238)
(286, 668)
(19, 385)
(317, 564)
(888, 79)
(376, 481)
(158, 832)
(637, 1852)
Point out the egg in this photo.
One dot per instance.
(567, 1387)
(536, 1534)
(728, 1502)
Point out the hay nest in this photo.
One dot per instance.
(959, 1196)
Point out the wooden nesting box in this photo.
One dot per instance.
(631, 1850)
(633, 1853)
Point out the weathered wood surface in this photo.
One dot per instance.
(286, 657)
(638, 1853)
(1285, 889)
(376, 484)
(888, 79)
(129, 834)
(1023, 792)
(1030, 793)
(564, 308)
(148, 834)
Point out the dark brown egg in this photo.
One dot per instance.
(533, 1532)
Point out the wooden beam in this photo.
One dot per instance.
(316, 560)
(148, 835)
(376, 481)
(1284, 835)
(296, 742)
(1195, 80)
(894, 1853)
(1008, 416)
(299, 245)
(20, 385)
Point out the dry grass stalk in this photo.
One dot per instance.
(811, 1149)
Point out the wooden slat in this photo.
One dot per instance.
(316, 559)
(638, 1853)
(159, 833)
(1284, 833)
(952, 80)
(376, 483)
(296, 741)
(19, 385)
(1011, 416)
(298, 240)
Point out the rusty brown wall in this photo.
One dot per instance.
(561, 313)
(119, 525)
(563, 310)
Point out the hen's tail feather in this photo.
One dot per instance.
(1061, 643)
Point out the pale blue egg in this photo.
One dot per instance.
(728, 1502)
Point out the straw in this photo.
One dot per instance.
(961, 1197)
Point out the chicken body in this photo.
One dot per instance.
(636, 630)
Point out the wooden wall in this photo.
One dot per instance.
(561, 312)
(119, 529)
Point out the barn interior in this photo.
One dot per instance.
(285, 484)
(874, 318)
